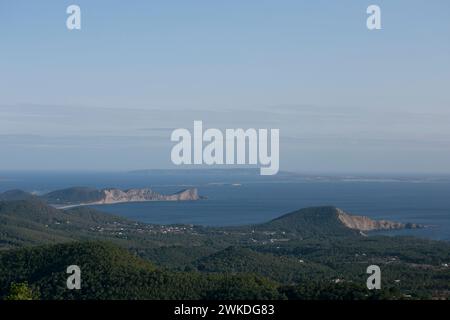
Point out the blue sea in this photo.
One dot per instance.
(241, 197)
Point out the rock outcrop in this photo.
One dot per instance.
(363, 223)
(138, 195)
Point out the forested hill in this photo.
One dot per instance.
(312, 245)
(109, 272)
(73, 195)
(25, 222)
(14, 195)
(329, 221)
(310, 222)
(31, 222)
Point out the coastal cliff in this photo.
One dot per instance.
(329, 221)
(363, 223)
(83, 196)
(137, 195)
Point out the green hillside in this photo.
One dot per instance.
(13, 195)
(109, 272)
(309, 249)
(310, 222)
(73, 195)
(284, 269)
(33, 222)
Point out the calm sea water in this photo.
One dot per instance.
(256, 200)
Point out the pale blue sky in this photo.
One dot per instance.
(346, 99)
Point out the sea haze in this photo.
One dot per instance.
(237, 197)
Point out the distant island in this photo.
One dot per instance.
(78, 196)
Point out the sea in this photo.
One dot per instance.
(241, 197)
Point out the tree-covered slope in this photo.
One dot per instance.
(284, 269)
(73, 195)
(30, 222)
(110, 272)
(308, 246)
(13, 195)
(310, 222)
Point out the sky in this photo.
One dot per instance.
(107, 97)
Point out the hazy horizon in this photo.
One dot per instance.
(235, 170)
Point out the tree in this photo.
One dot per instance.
(20, 291)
